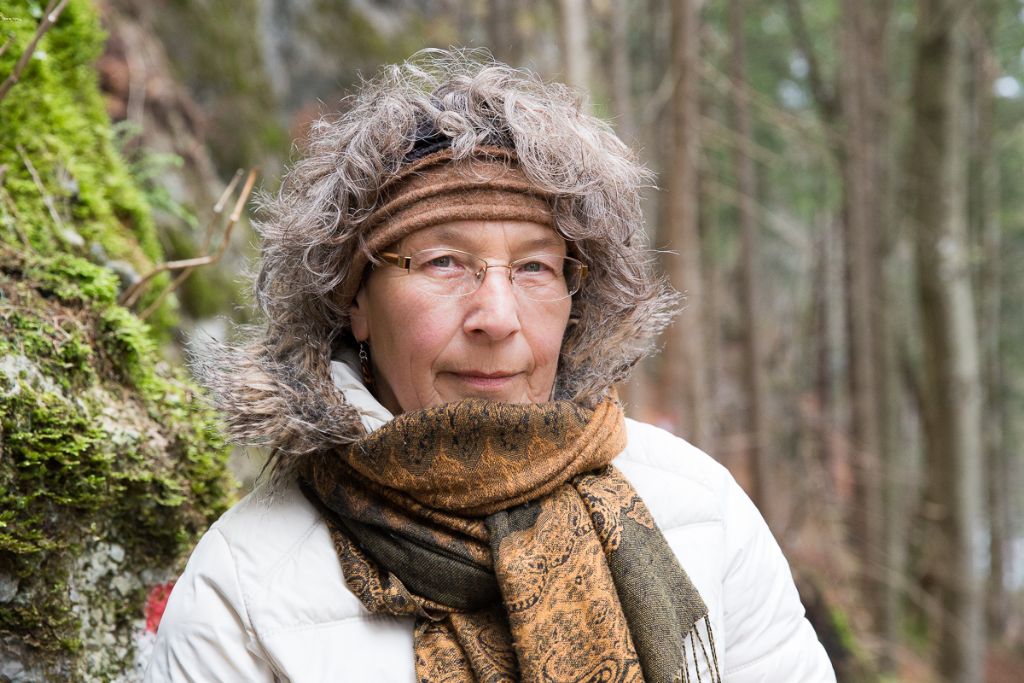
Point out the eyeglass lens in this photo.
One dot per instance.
(540, 277)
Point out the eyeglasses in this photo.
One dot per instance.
(451, 273)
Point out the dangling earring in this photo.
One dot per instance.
(364, 364)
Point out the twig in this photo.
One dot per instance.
(183, 275)
(790, 231)
(235, 215)
(131, 295)
(7, 43)
(49, 19)
(177, 282)
(718, 130)
(824, 97)
(14, 215)
(219, 207)
(47, 199)
(776, 114)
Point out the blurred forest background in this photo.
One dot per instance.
(839, 196)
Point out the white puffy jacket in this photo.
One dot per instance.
(263, 597)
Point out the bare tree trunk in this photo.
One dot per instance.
(575, 48)
(709, 229)
(685, 384)
(858, 110)
(621, 75)
(986, 238)
(898, 480)
(952, 397)
(636, 392)
(504, 36)
(887, 484)
(754, 376)
(862, 106)
(652, 22)
(827, 304)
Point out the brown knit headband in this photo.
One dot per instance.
(488, 186)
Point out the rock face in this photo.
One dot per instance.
(110, 461)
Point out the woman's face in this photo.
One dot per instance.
(494, 343)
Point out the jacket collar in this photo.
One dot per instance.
(347, 378)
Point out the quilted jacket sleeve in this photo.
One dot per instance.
(205, 634)
(769, 640)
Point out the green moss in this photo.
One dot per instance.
(102, 444)
(55, 116)
(100, 439)
(74, 280)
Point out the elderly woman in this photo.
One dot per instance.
(453, 280)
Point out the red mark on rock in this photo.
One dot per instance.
(156, 602)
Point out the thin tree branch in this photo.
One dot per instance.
(807, 130)
(177, 282)
(131, 295)
(14, 215)
(658, 100)
(218, 208)
(730, 138)
(791, 232)
(7, 43)
(49, 19)
(824, 97)
(207, 240)
(47, 199)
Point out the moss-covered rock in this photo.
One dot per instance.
(54, 121)
(110, 462)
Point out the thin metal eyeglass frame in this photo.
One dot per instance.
(405, 263)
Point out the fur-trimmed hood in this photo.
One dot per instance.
(278, 389)
(291, 413)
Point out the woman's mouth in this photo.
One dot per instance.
(485, 381)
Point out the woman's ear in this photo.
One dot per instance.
(357, 313)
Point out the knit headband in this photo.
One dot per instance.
(488, 186)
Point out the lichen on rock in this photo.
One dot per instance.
(111, 462)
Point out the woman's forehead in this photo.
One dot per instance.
(474, 234)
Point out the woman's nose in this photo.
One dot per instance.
(494, 307)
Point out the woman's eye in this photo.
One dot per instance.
(445, 261)
(535, 268)
(442, 264)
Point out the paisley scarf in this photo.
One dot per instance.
(521, 553)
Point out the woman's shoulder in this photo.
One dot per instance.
(263, 594)
(276, 519)
(283, 560)
(668, 455)
(680, 483)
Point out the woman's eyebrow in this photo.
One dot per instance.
(462, 239)
(544, 242)
(445, 235)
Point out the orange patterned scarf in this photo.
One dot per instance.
(522, 554)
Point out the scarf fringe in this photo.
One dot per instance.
(699, 654)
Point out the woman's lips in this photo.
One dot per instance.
(487, 381)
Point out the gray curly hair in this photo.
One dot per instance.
(276, 389)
